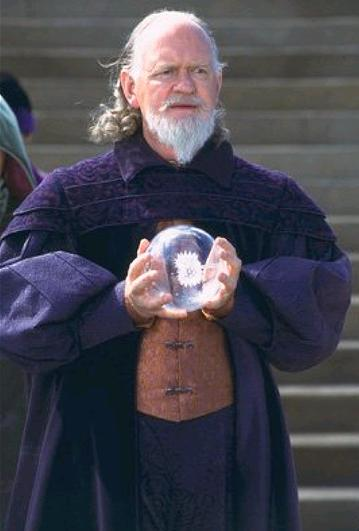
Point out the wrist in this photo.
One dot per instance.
(217, 313)
(140, 320)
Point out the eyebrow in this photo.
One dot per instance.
(175, 66)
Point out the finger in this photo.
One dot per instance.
(231, 272)
(228, 282)
(218, 246)
(144, 282)
(138, 265)
(158, 263)
(227, 287)
(143, 246)
(222, 249)
(150, 303)
(175, 313)
(224, 244)
(155, 303)
(228, 254)
(218, 300)
(230, 266)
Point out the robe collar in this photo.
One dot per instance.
(215, 161)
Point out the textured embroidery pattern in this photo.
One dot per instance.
(93, 194)
(186, 472)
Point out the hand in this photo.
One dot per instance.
(221, 303)
(142, 301)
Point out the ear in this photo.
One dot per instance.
(219, 83)
(129, 88)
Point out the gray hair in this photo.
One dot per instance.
(117, 120)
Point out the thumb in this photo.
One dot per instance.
(143, 246)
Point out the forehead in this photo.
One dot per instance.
(184, 43)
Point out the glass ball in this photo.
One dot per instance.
(188, 266)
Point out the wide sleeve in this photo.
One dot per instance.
(292, 305)
(55, 305)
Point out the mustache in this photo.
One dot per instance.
(183, 100)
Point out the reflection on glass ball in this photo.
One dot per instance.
(187, 268)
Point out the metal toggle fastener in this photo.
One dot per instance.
(176, 345)
(178, 390)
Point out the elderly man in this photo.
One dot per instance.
(142, 417)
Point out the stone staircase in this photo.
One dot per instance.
(292, 95)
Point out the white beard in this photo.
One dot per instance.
(185, 136)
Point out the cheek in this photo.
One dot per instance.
(209, 97)
(157, 96)
(209, 92)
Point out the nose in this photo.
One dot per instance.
(184, 83)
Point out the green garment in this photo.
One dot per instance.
(11, 140)
(12, 144)
(12, 403)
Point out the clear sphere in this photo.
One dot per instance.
(188, 269)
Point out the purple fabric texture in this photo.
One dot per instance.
(186, 473)
(65, 255)
(49, 316)
(26, 120)
(135, 185)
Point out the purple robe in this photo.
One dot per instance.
(63, 320)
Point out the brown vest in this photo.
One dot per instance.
(183, 369)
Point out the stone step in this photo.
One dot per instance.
(335, 198)
(292, 61)
(62, 127)
(341, 368)
(354, 258)
(245, 8)
(305, 163)
(247, 127)
(114, 31)
(330, 459)
(243, 61)
(329, 509)
(319, 31)
(321, 408)
(297, 127)
(346, 229)
(239, 94)
(351, 326)
(50, 156)
(285, 93)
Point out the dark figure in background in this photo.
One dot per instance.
(16, 177)
(140, 417)
(14, 186)
(19, 102)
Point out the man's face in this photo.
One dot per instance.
(175, 78)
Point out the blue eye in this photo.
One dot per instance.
(165, 72)
(200, 70)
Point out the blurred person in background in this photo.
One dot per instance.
(19, 102)
(16, 182)
(16, 178)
